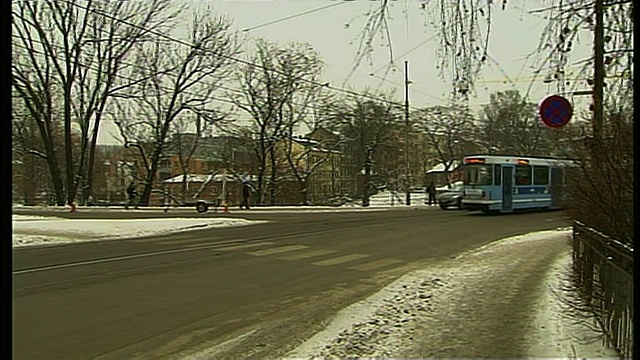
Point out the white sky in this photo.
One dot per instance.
(363, 323)
(515, 34)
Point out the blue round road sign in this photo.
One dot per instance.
(555, 111)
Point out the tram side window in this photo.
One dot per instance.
(540, 175)
(523, 175)
(496, 175)
(477, 175)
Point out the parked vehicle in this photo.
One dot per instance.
(450, 195)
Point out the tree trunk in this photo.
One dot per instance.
(52, 162)
(304, 199)
(367, 174)
(273, 178)
(151, 175)
(92, 158)
(68, 145)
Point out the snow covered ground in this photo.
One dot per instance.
(443, 312)
(38, 230)
(383, 325)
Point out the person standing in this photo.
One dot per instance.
(431, 193)
(131, 191)
(246, 192)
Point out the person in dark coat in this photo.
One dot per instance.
(246, 193)
(132, 192)
(431, 192)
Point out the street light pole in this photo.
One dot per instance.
(406, 132)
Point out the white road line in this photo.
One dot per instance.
(340, 260)
(184, 241)
(155, 239)
(306, 255)
(375, 264)
(112, 259)
(244, 246)
(278, 250)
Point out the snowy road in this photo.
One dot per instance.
(492, 301)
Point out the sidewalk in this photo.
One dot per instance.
(498, 301)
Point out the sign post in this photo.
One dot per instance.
(555, 111)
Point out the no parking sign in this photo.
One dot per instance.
(555, 111)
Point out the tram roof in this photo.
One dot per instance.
(516, 160)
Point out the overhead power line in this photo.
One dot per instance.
(242, 61)
(293, 16)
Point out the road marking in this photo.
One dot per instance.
(306, 255)
(173, 238)
(375, 264)
(244, 246)
(184, 241)
(112, 259)
(278, 250)
(340, 260)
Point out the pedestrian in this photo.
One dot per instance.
(246, 192)
(131, 191)
(431, 192)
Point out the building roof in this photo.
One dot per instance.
(205, 178)
(453, 165)
(191, 178)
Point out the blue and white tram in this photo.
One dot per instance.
(507, 183)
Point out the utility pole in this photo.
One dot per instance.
(598, 74)
(406, 132)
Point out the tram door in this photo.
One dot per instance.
(507, 188)
(557, 187)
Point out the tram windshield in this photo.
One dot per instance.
(478, 174)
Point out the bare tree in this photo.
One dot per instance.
(186, 142)
(115, 29)
(601, 193)
(29, 167)
(445, 128)
(77, 48)
(278, 85)
(567, 21)
(463, 29)
(34, 80)
(509, 125)
(366, 125)
(174, 79)
(313, 154)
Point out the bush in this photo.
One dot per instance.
(600, 189)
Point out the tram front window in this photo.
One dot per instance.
(478, 175)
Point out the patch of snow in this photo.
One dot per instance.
(38, 230)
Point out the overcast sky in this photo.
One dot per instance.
(515, 33)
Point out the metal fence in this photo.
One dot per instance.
(604, 269)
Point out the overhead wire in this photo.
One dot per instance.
(217, 53)
(413, 90)
(139, 67)
(292, 16)
(405, 53)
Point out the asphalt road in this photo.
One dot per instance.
(249, 292)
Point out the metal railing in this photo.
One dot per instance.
(604, 269)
